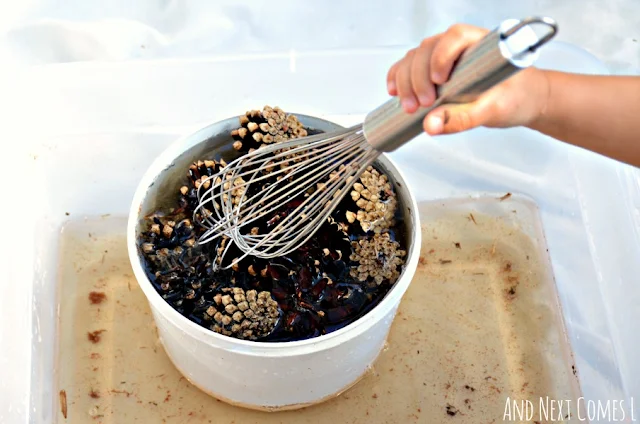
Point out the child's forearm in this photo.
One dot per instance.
(599, 113)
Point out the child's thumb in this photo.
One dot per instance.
(452, 119)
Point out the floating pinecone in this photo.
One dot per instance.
(249, 315)
(183, 285)
(165, 241)
(270, 125)
(178, 266)
(376, 202)
(199, 172)
(198, 175)
(379, 258)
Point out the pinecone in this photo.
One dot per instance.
(197, 174)
(184, 285)
(249, 315)
(165, 241)
(376, 202)
(270, 125)
(379, 258)
(180, 267)
(200, 170)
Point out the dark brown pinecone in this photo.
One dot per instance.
(183, 286)
(197, 175)
(249, 315)
(200, 170)
(165, 241)
(180, 267)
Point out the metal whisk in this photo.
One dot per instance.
(311, 175)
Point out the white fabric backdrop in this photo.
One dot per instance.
(50, 31)
(41, 32)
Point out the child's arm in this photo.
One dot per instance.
(599, 113)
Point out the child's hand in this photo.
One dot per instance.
(517, 101)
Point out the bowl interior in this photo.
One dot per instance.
(215, 141)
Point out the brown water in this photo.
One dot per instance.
(462, 340)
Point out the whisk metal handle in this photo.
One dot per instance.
(499, 55)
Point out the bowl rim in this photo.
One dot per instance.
(258, 348)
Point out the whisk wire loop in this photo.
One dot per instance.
(309, 175)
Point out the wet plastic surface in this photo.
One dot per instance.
(96, 128)
(480, 323)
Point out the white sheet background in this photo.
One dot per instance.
(41, 32)
(50, 31)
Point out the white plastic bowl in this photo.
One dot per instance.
(259, 375)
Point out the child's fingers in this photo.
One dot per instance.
(392, 89)
(451, 119)
(420, 75)
(403, 83)
(449, 48)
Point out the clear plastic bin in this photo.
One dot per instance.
(479, 324)
(82, 135)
